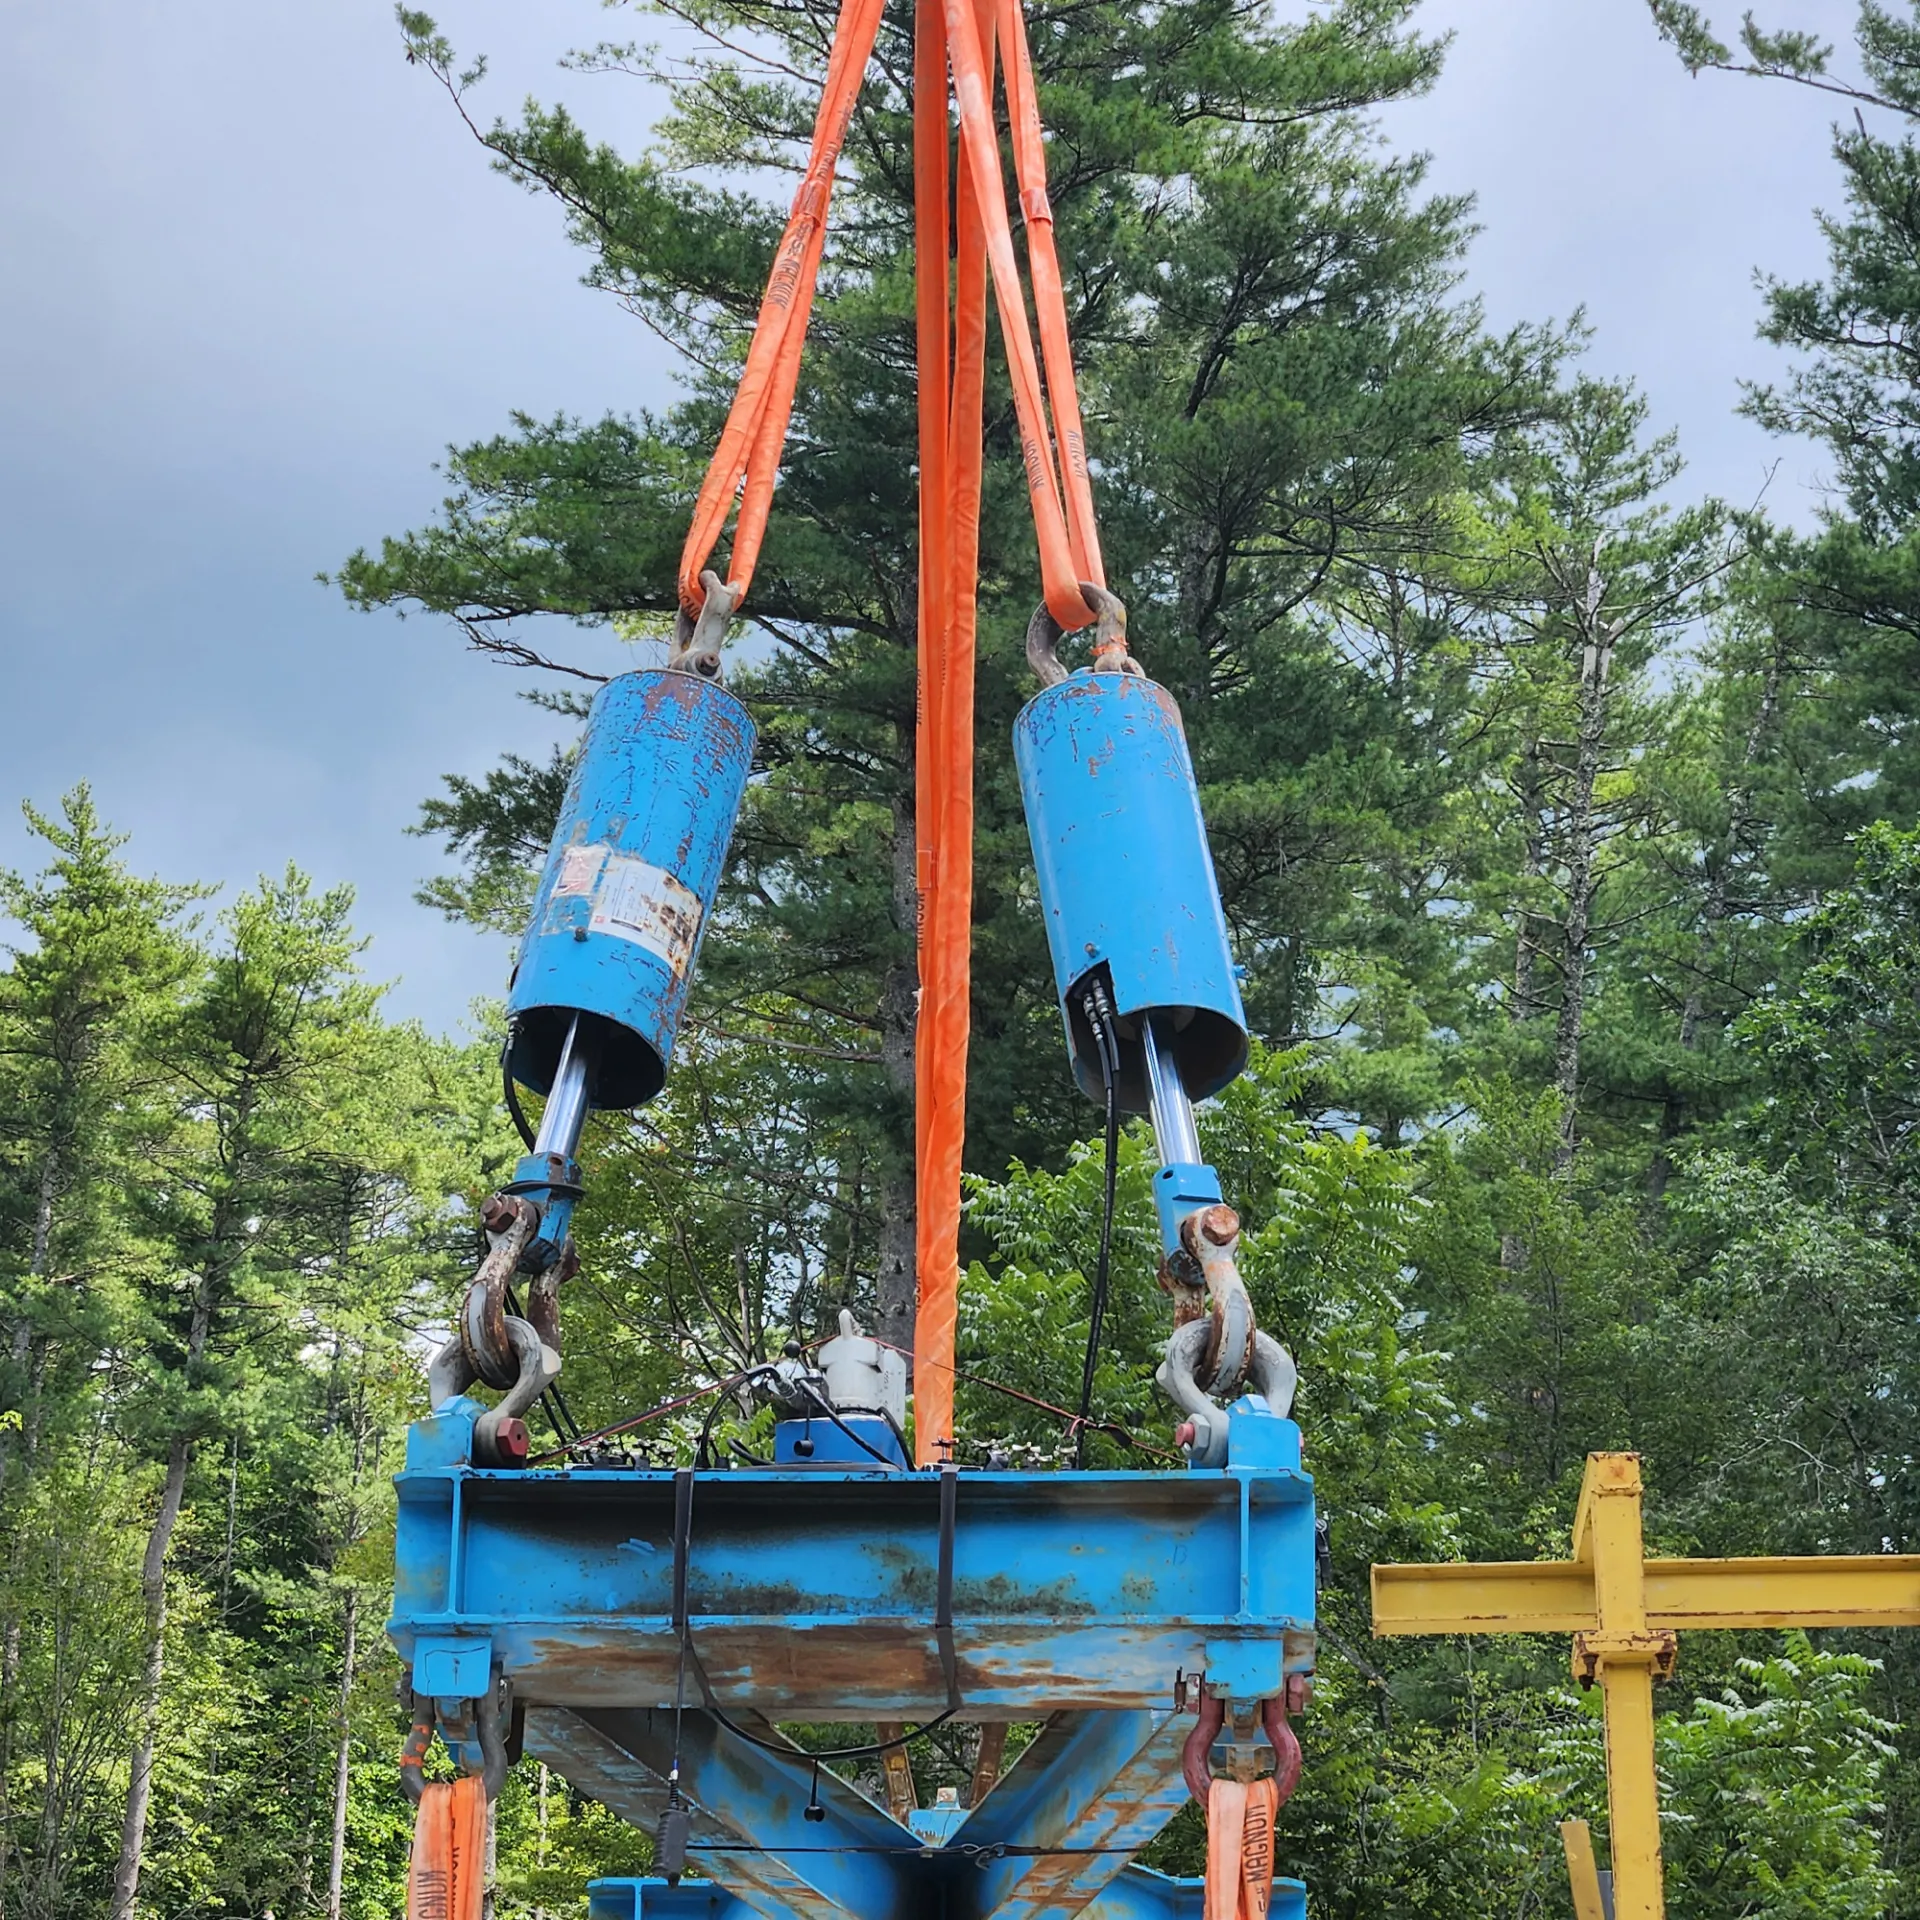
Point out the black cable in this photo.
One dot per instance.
(703, 1452)
(977, 1852)
(788, 1751)
(552, 1401)
(512, 1097)
(566, 1412)
(683, 1627)
(827, 1409)
(1099, 1011)
(675, 1822)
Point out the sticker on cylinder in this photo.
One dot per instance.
(638, 901)
(579, 869)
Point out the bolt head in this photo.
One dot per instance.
(1220, 1225)
(498, 1214)
(513, 1443)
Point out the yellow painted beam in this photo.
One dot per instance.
(1577, 1837)
(1840, 1590)
(1490, 1596)
(1633, 1792)
(1623, 1611)
(1624, 1651)
(1556, 1596)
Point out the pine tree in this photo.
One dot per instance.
(1280, 388)
(99, 961)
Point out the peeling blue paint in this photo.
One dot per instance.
(1126, 877)
(1078, 1600)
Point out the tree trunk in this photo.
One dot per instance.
(153, 1589)
(896, 1288)
(540, 1844)
(25, 1361)
(1532, 865)
(1581, 848)
(343, 1755)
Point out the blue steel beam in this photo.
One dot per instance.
(811, 1594)
(653, 1899)
(604, 1770)
(749, 1830)
(1136, 1893)
(1096, 1786)
(1075, 1597)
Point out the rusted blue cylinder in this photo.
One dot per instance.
(1127, 882)
(630, 878)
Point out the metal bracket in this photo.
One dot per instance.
(1655, 1647)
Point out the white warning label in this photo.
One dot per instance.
(638, 901)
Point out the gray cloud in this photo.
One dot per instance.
(257, 277)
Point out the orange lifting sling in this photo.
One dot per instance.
(961, 39)
(447, 1874)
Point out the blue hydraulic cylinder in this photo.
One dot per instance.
(1127, 882)
(630, 878)
(1132, 905)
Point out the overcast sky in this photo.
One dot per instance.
(254, 277)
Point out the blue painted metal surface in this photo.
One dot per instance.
(1070, 1589)
(851, 1441)
(1136, 1893)
(1050, 1842)
(1126, 878)
(1179, 1189)
(630, 878)
(1078, 1599)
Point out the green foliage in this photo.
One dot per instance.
(1776, 1790)
(1565, 827)
(223, 1213)
(1842, 1049)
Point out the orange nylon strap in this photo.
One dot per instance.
(1240, 1820)
(961, 33)
(447, 1873)
(980, 147)
(1049, 296)
(756, 430)
(930, 239)
(950, 535)
(930, 297)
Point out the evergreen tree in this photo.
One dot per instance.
(1280, 389)
(98, 962)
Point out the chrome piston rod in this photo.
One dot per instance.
(566, 1109)
(1174, 1130)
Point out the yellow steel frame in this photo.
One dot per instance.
(1623, 1611)
(1577, 1838)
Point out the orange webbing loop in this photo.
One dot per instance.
(447, 1873)
(961, 33)
(1240, 1816)
(951, 402)
(980, 148)
(756, 429)
(1049, 296)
